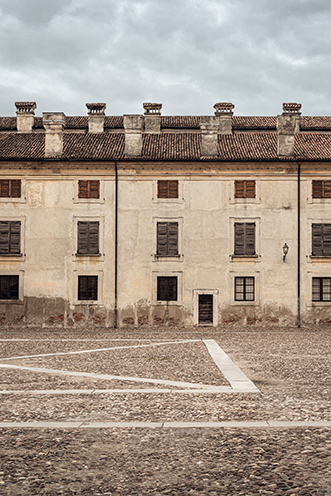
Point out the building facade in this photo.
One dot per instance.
(167, 220)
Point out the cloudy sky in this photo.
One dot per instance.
(185, 54)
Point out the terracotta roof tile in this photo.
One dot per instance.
(313, 146)
(180, 121)
(248, 122)
(310, 122)
(248, 146)
(169, 146)
(25, 146)
(103, 146)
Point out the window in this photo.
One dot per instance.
(321, 289)
(88, 238)
(321, 189)
(321, 240)
(244, 238)
(167, 239)
(10, 237)
(9, 287)
(244, 189)
(167, 189)
(88, 189)
(10, 188)
(87, 287)
(244, 289)
(167, 288)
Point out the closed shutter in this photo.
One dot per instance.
(250, 189)
(15, 188)
(317, 189)
(239, 190)
(205, 309)
(88, 238)
(4, 188)
(94, 189)
(82, 189)
(244, 189)
(244, 238)
(327, 240)
(321, 240)
(10, 237)
(167, 239)
(167, 189)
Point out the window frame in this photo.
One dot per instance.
(100, 257)
(89, 238)
(168, 258)
(169, 290)
(14, 257)
(167, 273)
(20, 274)
(245, 272)
(231, 237)
(245, 183)
(87, 271)
(168, 201)
(77, 199)
(321, 289)
(94, 287)
(11, 199)
(323, 255)
(245, 286)
(244, 201)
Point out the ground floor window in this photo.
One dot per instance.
(9, 287)
(321, 289)
(87, 287)
(244, 289)
(167, 288)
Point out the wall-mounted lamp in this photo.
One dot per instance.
(285, 251)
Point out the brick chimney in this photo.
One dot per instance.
(133, 125)
(211, 127)
(152, 117)
(53, 123)
(288, 124)
(96, 117)
(25, 116)
(224, 112)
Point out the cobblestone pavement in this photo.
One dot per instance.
(290, 368)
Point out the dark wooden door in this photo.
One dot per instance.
(205, 309)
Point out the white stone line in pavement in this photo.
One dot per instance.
(46, 340)
(265, 424)
(231, 372)
(109, 377)
(100, 349)
(209, 390)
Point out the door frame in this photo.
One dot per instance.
(196, 293)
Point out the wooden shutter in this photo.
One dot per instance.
(239, 189)
(250, 238)
(317, 189)
(4, 188)
(250, 189)
(244, 238)
(88, 238)
(162, 189)
(317, 240)
(327, 240)
(93, 238)
(82, 189)
(162, 239)
(15, 237)
(15, 188)
(173, 238)
(173, 189)
(206, 309)
(4, 237)
(94, 191)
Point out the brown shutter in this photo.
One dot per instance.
(83, 230)
(205, 309)
(250, 238)
(93, 238)
(317, 189)
(250, 189)
(4, 188)
(317, 240)
(15, 188)
(4, 237)
(327, 189)
(239, 238)
(162, 239)
(162, 189)
(82, 189)
(173, 238)
(173, 189)
(239, 189)
(15, 237)
(94, 189)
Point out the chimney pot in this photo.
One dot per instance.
(96, 117)
(152, 117)
(25, 116)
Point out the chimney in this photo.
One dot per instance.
(96, 117)
(152, 117)
(224, 112)
(288, 124)
(53, 123)
(209, 131)
(25, 116)
(133, 135)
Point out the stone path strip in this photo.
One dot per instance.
(239, 382)
(164, 425)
